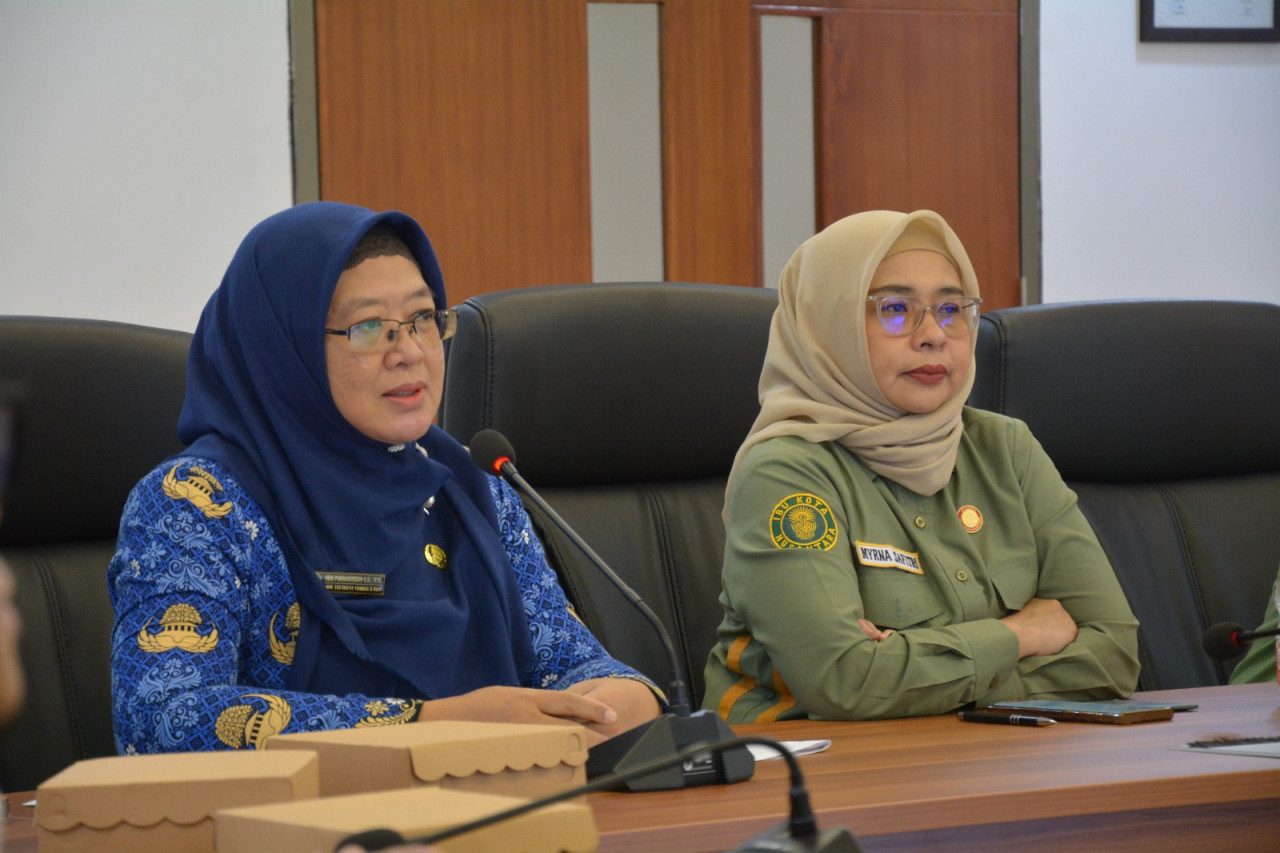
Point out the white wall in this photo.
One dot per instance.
(1160, 162)
(141, 139)
(787, 173)
(625, 109)
(139, 142)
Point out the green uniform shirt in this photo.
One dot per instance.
(1260, 662)
(816, 541)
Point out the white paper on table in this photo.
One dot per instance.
(760, 752)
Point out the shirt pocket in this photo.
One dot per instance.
(1015, 582)
(893, 598)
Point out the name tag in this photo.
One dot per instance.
(353, 583)
(888, 557)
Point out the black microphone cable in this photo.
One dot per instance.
(801, 826)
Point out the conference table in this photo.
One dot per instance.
(939, 783)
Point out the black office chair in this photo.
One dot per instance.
(1162, 416)
(626, 404)
(100, 408)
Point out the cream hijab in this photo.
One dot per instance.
(817, 381)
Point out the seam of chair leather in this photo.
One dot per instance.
(1176, 515)
(662, 532)
(1002, 361)
(488, 399)
(57, 627)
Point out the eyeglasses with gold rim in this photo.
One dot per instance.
(901, 315)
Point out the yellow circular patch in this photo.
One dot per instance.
(803, 521)
(435, 556)
(971, 517)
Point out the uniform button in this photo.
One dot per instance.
(962, 576)
(920, 522)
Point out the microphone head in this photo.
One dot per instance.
(490, 450)
(373, 839)
(1221, 643)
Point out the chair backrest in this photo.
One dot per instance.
(100, 408)
(626, 404)
(1162, 416)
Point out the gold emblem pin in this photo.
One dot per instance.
(971, 517)
(435, 556)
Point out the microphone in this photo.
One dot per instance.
(672, 732)
(798, 833)
(1227, 639)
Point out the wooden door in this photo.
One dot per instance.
(471, 115)
(918, 108)
(472, 118)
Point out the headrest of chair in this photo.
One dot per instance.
(603, 383)
(100, 409)
(1139, 390)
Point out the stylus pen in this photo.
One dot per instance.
(1004, 719)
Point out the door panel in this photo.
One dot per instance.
(920, 110)
(472, 117)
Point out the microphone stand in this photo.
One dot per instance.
(672, 732)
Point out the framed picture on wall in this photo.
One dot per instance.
(1208, 20)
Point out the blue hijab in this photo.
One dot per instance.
(258, 402)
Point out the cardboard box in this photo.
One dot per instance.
(318, 825)
(162, 802)
(509, 759)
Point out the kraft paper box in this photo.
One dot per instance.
(512, 759)
(162, 802)
(318, 825)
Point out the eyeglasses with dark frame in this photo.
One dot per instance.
(901, 315)
(436, 325)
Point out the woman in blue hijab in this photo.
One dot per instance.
(322, 555)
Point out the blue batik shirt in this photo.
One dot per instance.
(207, 620)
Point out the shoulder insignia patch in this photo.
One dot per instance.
(198, 488)
(803, 521)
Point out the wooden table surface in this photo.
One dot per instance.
(936, 782)
(915, 783)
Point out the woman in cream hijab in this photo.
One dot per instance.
(891, 552)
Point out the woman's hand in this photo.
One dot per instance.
(632, 700)
(873, 633)
(603, 708)
(1043, 626)
(520, 705)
